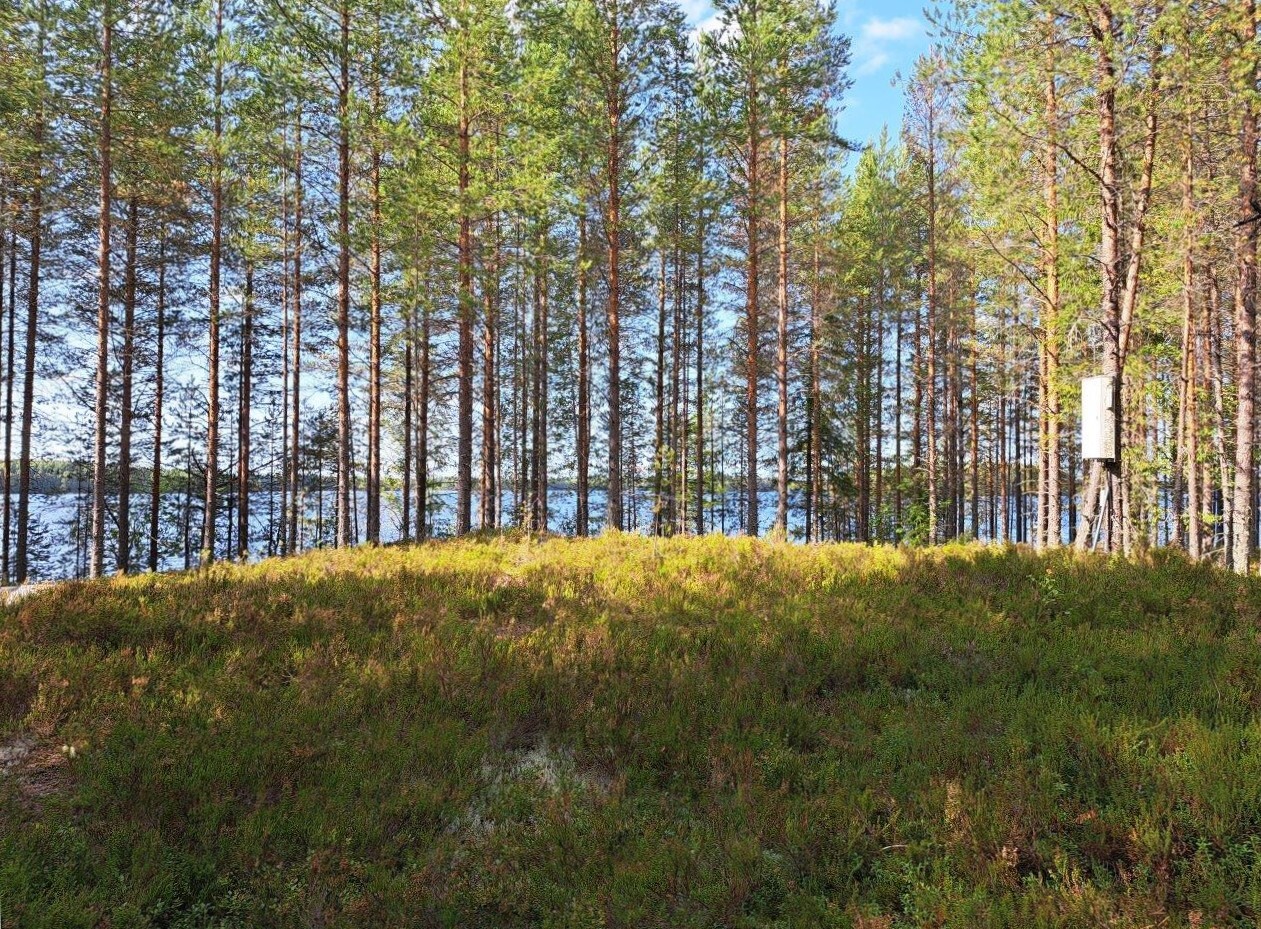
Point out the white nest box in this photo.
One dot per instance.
(1099, 418)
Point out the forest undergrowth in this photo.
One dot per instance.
(524, 731)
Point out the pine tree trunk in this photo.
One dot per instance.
(537, 466)
(1106, 479)
(489, 496)
(1129, 295)
(583, 509)
(422, 427)
(1246, 319)
(374, 335)
(930, 386)
(751, 324)
(97, 555)
(700, 374)
(521, 386)
(613, 232)
(674, 440)
(897, 414)
(344, 436)
(541, 469)
(32, 320)
(1213, 323)
(464, 362)
(659, 406)
(243, 419)
(1186, 457)
(216, 257)
(286, 324)
(159, 393)
(1002, 465)
(917, 376)
(1050, 327)
(409, 355)
(862, 364)
(975, 451)
(878, 413)
(295, 397)
(7, 324)
(781, 357)
(125, 412)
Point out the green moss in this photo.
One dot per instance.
(630, 732)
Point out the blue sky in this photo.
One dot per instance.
(886, 37)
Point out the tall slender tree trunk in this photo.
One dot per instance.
(36, 218)
(374, 336)
(675, 462)
(409, 399)
(9, 329)
(583, 505)
(126, 413)
(8, 245)
(97, 556)
(286, 313)
(1001, 465)
(159, 394)
(529, 382)
(243, 419)
(659, 406)
(700, 375)
(422, 416)
(862, 364)
(781, 357)
(1138, 224)
(535, 389)
(186, 522)
(1246, 314)
(295, 346)
(613, 233)
(542, 342)
(344, 436)
(683, 386)
(216, 257)
(917, 377)
(1105, 477)
(1186, 460)
(751, 323)
(877, 418)
(521, 386)
(930, 386)
(1050, 326)
(897, 421)
(1130, 290)
(464, 362)
(1212, 324)
(489, 496)
(975, 424)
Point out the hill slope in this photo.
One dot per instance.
(624, 732)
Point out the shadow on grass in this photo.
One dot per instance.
(634, 732)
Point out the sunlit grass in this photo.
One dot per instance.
(630, 732)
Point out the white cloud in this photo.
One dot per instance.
(708, 24)
(871, 63)
(700, 16)
(871, 39)
(696, 10)
(871, 47)
(898, 29)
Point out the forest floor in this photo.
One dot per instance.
(627, 732)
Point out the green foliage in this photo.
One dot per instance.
(628, 732)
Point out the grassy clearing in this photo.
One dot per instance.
(624, 732)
